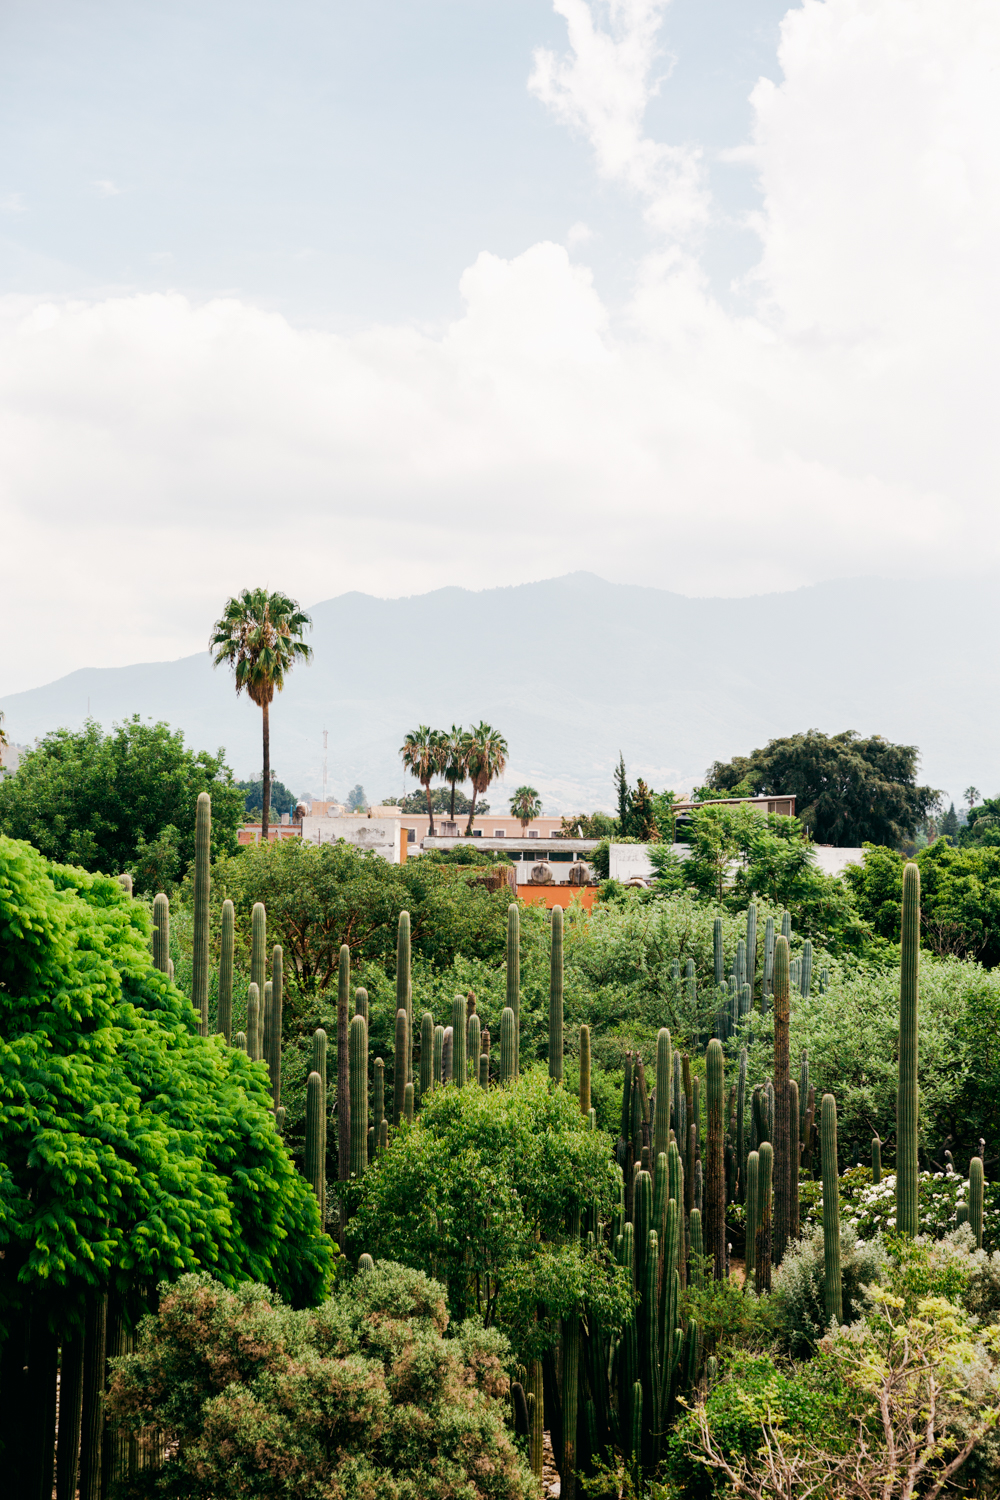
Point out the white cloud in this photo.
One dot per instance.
(157, 454)
(106, 188)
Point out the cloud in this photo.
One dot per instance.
(158, 453)
(13, 203)
(106, 188)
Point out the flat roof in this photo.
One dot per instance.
(530, 846)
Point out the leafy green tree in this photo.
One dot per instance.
(949, 825)
(356, 800)
(598, 825)
(982, 824)
(959, 896)
(424, 754)
(848, 790)
(363, 1396)
(487, 759)
(525, 804)
(643, 815)
(281, 801)
(259, 635)
(120, 801)
(443, 800)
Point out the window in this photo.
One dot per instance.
(499, 833)
(532, 833)
(411, 835)
(477, 833)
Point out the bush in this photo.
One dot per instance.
(363, 1396)
(799, 1295)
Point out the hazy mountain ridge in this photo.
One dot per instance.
(572, 669)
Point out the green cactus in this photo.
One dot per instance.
(383, 1137)
(768, 974)
(793, 1161)
(536, 1437)
(265, 1025)
(752, 1219)
(786, 927)
(459, 1023)
(514, 976)
(556, 996)
(378, 1112)
(831, 1210)
(365, 1262)
(319, 1066)
(807, 967)
(279, 1119)
(508, 1028)
(585, 1070)
(715, 1173)
(361, 1002)
(484, 1070)
(343, 1064)
(358, 1048)
(240, 1041)
(224, 1013)
(741, 964)
(691, 988)
(762, 1250)
(649, 1348)
(404, 988)
(161, 933)
(277, 1011)
(976, 1194)
(200, 901)
(782, 1134)
(438, 1069)
(803, 1093)
(315, 1163)
(741, 1142)
(253, 1022)
(426, 1053)
(447, 1055)
(824, 981)
(795, 973)
(876, 1159)
(664, 1078)
(751, 945)
(258, 944)
(717, 954)
(399, 1066)
(408, 1104)
(907, 1097)
(473, 1045)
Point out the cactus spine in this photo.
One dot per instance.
(258, 940)
(782, 1134)
(907, 1101)
(664, 1079)
(585, 1070)
(717, 954)
(358, 1047)
(508, 1055)
(514, 976)
(161, 933)
(831, 1211)
(876, 1159)
(976, 1193)
(556, 996)
(224, 1013)
(459, 1024)
(399, 1066)
(277, 1005)
(253, 1022)
(200, 935)
(715, 1172)
(315, 1117)
(474, 1045)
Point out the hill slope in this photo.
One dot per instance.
(572, 669)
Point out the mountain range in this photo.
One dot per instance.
(573, 670)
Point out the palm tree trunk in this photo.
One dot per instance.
(453, 786)
(472, 811)
(430, 808)
(266, 786)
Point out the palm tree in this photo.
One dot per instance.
(487, 761)
(456, 766)
(260, 636)
(525, 805)
(424, 753)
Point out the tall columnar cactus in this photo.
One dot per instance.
(664, 1078)
(404, 986)
(343, 1064)
(447, 1055)
(426, 1053)
(277, 1009)
(585, 1070)
(714, 1166)
(361, 1002)
(717, 954)
(399, 1065)
(824, 980)
(266, 1025)
(224, 1012)
(691, 988)
(315, 1117)
(200, 935)
(484, 1070)
(752, 1220)
(807, 968)
(831, 1211)
(556, 996)
(319, 1066)
(458, 1028)
(408, 1104)
(793, 1160)
(767, 977)
(786, 927)
(976, 1194)
(378, 1113)
(782, 1136)
(508, 1044)
(741, 964)
(473, 1047)
(161, 933)
(358, 1046)
(253, 1021)
(751, 945)
(697, 1249)
(876, 1159)
(258, 945)
(762, 1249)
(570, 1400)
(907, 1099)
(514, 976)
(240, 1041)
(803, 1094)
(741, 1135)
(438, 1069)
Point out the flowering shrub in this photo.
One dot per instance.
(870, 1208)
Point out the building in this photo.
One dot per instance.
(547, 871)
(381, 834)
(487, 826)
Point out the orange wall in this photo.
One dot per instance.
(557, 895)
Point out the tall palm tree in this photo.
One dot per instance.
(424, 753)
(525, 805)
(260, 636)
(456, 766)
(487, 761)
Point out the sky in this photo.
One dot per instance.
(697, 294)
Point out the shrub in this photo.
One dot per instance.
(363, 1396)
(799, 1295)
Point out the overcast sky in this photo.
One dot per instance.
(386, 297)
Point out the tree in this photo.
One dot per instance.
(456, 762)
(848, 790)
(424, 753)
(260, 636)
(972, 795)
(442, 801)
(642, 815)
(282, 800)
(120, 801)
(598, 825)
(949, 825)
(525, 804)
(623, 796)
(357, 802)
(487, 761)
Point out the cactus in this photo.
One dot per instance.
(224, 1012)
(514, 976)
(161, 932)
(404, 986)
(473, 1046)
(484, 1070)
(258, 941)
(125, 881)
(459, 1023)
(768, 962)
(383, 1137)
(795, 973)
(697, 1257)
(556, 996)
(277, 1011)
(447, 1055)
(536, 1435)
(343, 1064)
(751, 946)
(762, 1248)
(279, 1119)
(426, 1053)
(361, 1002)
(782, 1136)
(253, 1022)
(240, 1041)
(508, 1054)
(976, 1193)
(752, 1212)
(438, 1069)
(876, 1159)
(399, 1066)
(741, 1144)
(378, 1112)
(793, 1160)
(720, 970)
(715, 1173)
(786, 927)
(831, 1211)
(807, 967)
(803, 1094)
(408, 1104)
(741, 964)
(907, 1100)
(585, 1070)
(315, 1118)
(201, 933)
(690, 989)
(266, 1025)
(319, 1066)
(824, 981)
(664, 1076)
(358, 1048)
(365, 1262)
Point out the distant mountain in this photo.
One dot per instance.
(573, 669)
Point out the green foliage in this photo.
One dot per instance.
(598, 825)
(960, 897)
(134, 1149)
(120, 801)
(525, 804)
(282, 800)
(416, 802)
(848, 790)
(363, 1396)
(798, 1299)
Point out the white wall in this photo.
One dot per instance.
(380, 834)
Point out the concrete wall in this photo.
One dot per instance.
(382, 835)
